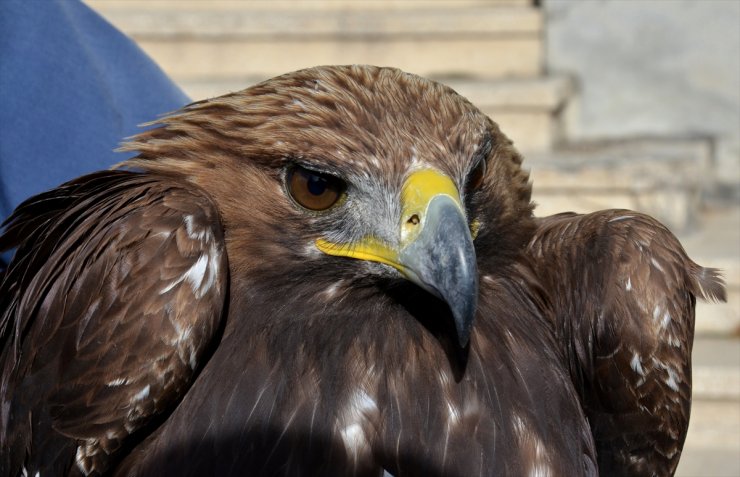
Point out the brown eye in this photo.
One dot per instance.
(476, 176)
(314, 190)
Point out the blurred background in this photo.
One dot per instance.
(614, 103)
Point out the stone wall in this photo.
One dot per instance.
(653, 68)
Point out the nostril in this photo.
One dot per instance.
(413, 220)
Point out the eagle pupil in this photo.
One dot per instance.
(313, 190)
(316, 185)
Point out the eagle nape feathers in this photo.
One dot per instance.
(338, 272)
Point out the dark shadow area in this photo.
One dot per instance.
(271, 452)
(436, 317)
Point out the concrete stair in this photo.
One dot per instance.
(664, 177)
(494, 39)
(489, 50)
(713, 443)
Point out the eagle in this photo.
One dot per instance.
(338, 271)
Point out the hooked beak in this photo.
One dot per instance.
(436, 248)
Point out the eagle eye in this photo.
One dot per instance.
(314, 190)
(476, 176)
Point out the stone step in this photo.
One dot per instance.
(712, 445)
(528, 110)
(159, 5)
(663, 177)
(713, 441)
(189, 43)
(716, 368)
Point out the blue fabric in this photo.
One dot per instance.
(71, 88)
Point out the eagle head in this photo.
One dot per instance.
(353, 175)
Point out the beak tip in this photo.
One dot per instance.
(464, 325)
(463, 340)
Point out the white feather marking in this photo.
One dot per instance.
(182, 341)
(37, 474)
(621, 217)
(447, 443)
(183, 334)
(444, 378)
(453, 413)
(539, 466)
(24, 471)
(117, 382)
(310, 250)
(213, 257)
(80, 458)
(259, 398)
(628, 287)
(672, 380)
(196, 273)
(331, 291)
(170, 286)
(637, 365)
(143, 394)
(666, 320)
(656, 312)
(88, 448)
(656, 264)
(299, 103)
(354, 438)
(518, 423)
(415, 162)
(200, 234)
(360, 405)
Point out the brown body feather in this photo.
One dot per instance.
(625, 291)
(321, 365)
(97, 343)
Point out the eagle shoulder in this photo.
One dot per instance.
(108, 309)
(625, 291)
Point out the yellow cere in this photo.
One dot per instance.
(417, 192)
(474, 228)
(369, 248)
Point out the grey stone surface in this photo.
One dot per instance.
(663, 177)
(716, 369)
(712, 446)
(663, 67)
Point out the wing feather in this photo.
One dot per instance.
(108, 309)
(625, 293)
